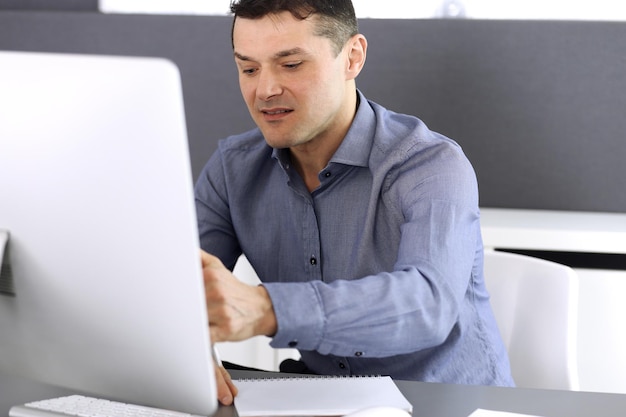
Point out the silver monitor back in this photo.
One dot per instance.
(102, 288)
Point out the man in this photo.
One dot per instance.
(362, 224)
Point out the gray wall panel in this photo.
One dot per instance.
(56, 5)
(538, 106)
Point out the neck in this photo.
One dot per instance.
(309, 166)
(313, 156)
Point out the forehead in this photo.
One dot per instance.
(274, 32)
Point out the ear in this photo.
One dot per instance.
(356, 51)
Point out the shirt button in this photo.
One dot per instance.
(313, 260)
(342, 365)
(327, 174)
(358, 354)
(293, 344)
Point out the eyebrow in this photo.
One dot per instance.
(280, 54)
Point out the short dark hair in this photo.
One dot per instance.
(337, 20)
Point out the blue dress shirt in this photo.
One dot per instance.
(377, 271)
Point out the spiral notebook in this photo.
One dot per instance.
(316, 396)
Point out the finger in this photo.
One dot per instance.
(214, 334)
(220, 333)
(209, 261)
(229, 381)
(225, 393)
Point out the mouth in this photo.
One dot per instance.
(275, 114)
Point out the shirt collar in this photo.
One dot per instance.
(356, 147)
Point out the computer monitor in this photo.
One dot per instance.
(102, 288)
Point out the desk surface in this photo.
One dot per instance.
(551, 230)
(429, 400)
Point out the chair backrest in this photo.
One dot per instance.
(535, 303)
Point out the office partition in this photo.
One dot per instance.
(538, 106)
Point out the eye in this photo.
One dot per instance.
(292, 65)
(248, 71)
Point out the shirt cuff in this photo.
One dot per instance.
(299, 315)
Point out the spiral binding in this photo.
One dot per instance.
(308, 377)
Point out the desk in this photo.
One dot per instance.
(550, 230)
(429, 400)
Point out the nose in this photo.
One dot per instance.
(268, 85)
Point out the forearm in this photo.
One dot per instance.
(378, 316)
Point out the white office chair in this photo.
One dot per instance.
(535, 303)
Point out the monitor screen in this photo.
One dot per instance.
(101, 286)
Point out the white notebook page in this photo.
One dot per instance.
(323, 396)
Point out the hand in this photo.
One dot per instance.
(226, 389)
(237, 311)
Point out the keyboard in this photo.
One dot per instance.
(82, 406)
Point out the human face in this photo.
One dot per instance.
(296, 87)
